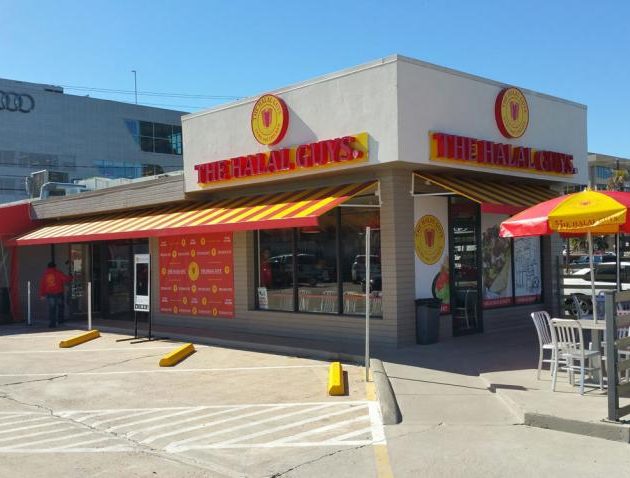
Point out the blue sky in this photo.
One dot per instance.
(578, 50)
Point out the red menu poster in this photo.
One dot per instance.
(196, 275)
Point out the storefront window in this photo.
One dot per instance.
(275, 274)
(353, 261)
(496, 263)
(312, 285)
(317, 267)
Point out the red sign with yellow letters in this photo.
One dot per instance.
(196, 275)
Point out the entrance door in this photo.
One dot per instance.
(112, 272)
(465, 240)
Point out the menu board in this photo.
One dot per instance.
(196, 275)
(496, 263)
(527, 270)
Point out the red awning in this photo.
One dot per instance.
(271, 211)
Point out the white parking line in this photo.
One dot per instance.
(41, 425)
(47, 432)
(37, 442)
(227, 443)
(155, 419)
(206, 425)
(179, 422)
(176, 370)
(177, 446)
(73, 350)
(320, 430)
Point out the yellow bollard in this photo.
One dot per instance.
(335, 379)
(177, 355)
(79, 339)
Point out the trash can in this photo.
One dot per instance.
(600, 300)
(427, 320)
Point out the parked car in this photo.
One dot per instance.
(358, 267)
(308, 272)
(579, 283)
(597, 259)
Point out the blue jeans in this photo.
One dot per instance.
(54, 308)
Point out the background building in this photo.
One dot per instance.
(43, 128)
(609, 172)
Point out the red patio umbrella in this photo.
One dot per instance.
(587, 212)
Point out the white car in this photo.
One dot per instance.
(579, 283)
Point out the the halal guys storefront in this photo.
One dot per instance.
(280, 188)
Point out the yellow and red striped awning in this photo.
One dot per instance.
(270, 211)
(493, 196)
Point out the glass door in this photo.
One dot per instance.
(465, 239)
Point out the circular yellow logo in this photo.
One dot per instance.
(204, 301)
(203, 241)
(511, 112)
(185, 300)
(193, 271)
(270, 120)
(194, 310)
(163, 271)
(213, 251)
(215, 311)
(226, 269)
(214, 289)
(193, 253)
(174, 254)
(174, 287)
(429, 239)
(193, 288)
(175, 310)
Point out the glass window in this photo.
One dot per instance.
(353, 260)
(163, 146)
(146, 128)
(275, 271)
(146, 144)
(162, 130)
(317, 266)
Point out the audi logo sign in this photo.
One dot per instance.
(21, 102)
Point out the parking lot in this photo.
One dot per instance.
(107, 407)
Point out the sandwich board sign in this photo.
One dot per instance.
(141, 282)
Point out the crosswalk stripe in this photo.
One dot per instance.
(280, 428)
(205, 425)
(130, 415)
(178, 444)
(13, 430)
(29, 435)
(19, 422)
(37, 442)
(317, 431)
(155, 419)
(179, 422)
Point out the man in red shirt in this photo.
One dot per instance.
(51, 288)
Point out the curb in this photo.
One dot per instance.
(604, 430)
(385, 393)
(79, 339)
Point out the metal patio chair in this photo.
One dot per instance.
(568, 342)
(542, 322)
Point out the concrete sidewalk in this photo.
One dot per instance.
(464, 403)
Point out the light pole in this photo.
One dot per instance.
(135, 84)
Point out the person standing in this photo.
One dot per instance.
(51, 287)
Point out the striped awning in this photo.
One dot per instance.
(493, 196)
(271, 211)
